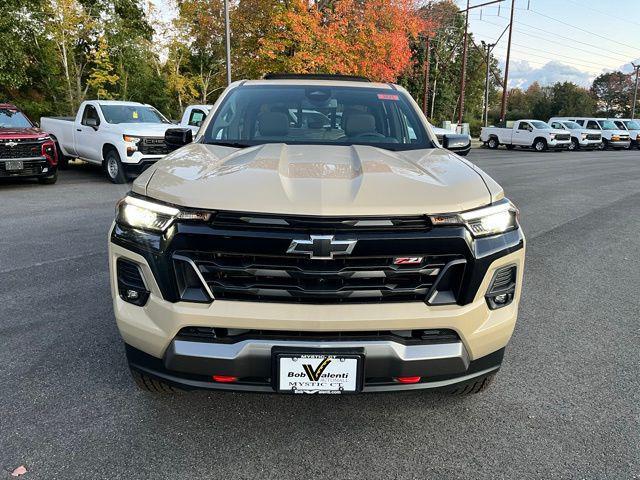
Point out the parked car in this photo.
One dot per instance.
(279, 258)
(124, 137)
(441, 132)
(193, 117)
(526, 134)
(25, 150)
(632, 127)
(612, 136)
(581, 138)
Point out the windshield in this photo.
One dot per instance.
(132, 114)
(292, 114)
(11, 118)
(571, 125)
(632, 125)
(541, 125)
(608, 125)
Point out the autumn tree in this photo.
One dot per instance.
(360, 37)
(102, 76)
(613, 93)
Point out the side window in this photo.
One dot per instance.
(557, 125)
(525, 126)
(593, 124)
(580, 122)
(197, 117)
(90, 116)
(620, 125)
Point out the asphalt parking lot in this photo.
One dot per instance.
(566, 403)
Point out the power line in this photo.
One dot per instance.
(609, 52)
(582, 5)
(580, 29)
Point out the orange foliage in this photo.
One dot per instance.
(358, 37)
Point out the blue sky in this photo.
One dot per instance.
(558, 40)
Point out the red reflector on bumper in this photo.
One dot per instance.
(224, 379)
(408, 379)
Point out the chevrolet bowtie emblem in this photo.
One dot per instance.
(322, 247)
(11, 144)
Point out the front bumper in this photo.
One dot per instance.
(559, 144)
(32, 168)
(619, 144)
(189, 365)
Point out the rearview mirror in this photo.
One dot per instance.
(175, 138)
(454, 142)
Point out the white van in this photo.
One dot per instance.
(612, 136)
(632, 126)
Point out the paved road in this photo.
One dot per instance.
(566, 403)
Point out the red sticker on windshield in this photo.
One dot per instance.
(388, 96)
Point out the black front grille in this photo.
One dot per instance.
(153, 146)
(20, 150)
(225, 335)
(324, 225)
(563, 136)
(351, 279)
(594, 136)
(29, 168)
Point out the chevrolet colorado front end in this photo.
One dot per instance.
(343, 253)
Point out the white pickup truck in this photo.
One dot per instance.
(526, 134)
(124, 137)
(581, 138)
(612, 135)
(194, 116)
(632, 126)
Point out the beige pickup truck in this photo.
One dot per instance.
(314, 237)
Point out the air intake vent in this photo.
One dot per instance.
(131, 286)
(502, 288)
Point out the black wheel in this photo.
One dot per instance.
(150, 384)
(605, 144)
(477, 386)
(574, 144)
(540, 145)
(63, 160)
(493, 143)
(601, 146)
(113, 167)
(48, 180)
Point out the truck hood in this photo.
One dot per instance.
(317, 180)
(15, 133)
(143, 129)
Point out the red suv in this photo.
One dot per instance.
(25, 150)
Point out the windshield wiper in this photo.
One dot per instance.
(229, 144)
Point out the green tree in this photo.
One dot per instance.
(102, 77)
(570, 99)
(613, 93)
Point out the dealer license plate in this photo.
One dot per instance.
(318, 373)
(13, 165)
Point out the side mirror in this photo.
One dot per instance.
(175, 138)
(454, 142)
(91, 122)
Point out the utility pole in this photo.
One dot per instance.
(463, 74)
(227, 38)
(503, 109)
(427, 61)
(485, 112)
(635, 91)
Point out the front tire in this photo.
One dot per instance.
(48, 180)
(574, 145)
(540, 145)
(150, 384)
(493, 143)
(477, 386)
(113, 167)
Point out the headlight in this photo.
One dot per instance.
(492, 220)
(156, 217)
(552, 136)
(583, 136)
(131, 139)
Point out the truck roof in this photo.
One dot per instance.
(8, 105)
(116, 102)
(318, 82)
